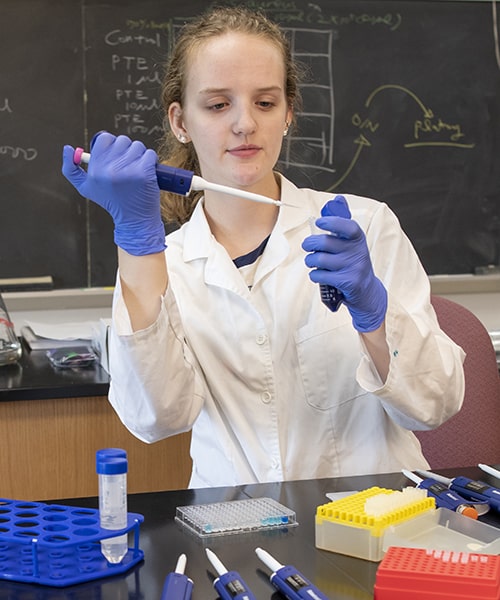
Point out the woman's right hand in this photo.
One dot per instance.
(121, 178)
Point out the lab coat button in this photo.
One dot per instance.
(261, 339)
(266, 397)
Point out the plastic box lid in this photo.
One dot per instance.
(444, 529)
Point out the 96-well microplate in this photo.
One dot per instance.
(236, 516)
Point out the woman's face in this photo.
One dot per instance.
(235, 110)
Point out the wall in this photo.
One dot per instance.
(401, 105)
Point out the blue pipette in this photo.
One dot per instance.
(477, 491)
(229, 584)
(182, 182)
(177, 586)
(288, 580)
(446, 498)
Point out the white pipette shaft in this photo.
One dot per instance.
(199, 184)
(489, 470)
(216, 563)
(268, 560)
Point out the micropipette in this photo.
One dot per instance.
(290, 582)
(182, 182)
(177, 586)
(446, 498)
(477, 491)
(489, 470)
(229, 584)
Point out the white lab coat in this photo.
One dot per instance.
(274, 385)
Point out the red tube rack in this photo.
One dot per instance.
(416, 573)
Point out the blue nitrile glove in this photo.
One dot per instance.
(121, 177)
(342, 260)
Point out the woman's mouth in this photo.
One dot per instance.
(244, 151)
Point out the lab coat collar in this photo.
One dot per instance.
(199, 242)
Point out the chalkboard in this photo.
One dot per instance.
(401, 103)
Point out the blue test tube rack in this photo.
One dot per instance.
(58, 545)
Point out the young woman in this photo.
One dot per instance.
(220, 327)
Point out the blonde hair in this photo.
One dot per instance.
(214, 23)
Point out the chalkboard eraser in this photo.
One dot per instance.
(26, 284)
(487, 270)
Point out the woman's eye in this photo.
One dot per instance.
(217, 106)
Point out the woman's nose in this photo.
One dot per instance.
(245, 122)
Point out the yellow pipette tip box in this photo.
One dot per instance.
(355, 525)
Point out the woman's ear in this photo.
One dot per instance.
(176, 122)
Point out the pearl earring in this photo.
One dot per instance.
(182, 138)
(285, 133)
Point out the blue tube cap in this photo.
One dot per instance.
(105, 453)
(112, 466)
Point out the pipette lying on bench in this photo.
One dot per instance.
(446, 498)
(288, 580)
(475, 491)
(177, 586)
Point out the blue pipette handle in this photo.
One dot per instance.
(172, 179)
(230, 586)
(177, 586)
(476, 490)
(446, 498)
(331, 296)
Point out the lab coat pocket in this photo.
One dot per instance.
(329, 352)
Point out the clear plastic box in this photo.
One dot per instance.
(444, 529)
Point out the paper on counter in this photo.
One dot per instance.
(84, 330)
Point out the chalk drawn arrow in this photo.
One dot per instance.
(427, 111)
(361, 142)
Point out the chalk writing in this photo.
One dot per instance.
(438, 131)
(439, 126)
(427, 131)
(116, 38)
(4, 106)
(288, 12)
(135, 97)
(17, 152)
(142, 24)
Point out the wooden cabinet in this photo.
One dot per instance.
(48, 450)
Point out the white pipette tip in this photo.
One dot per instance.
(489, 470)
(268, 560)
(216, 563)
(411, 476)
(181, 564)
